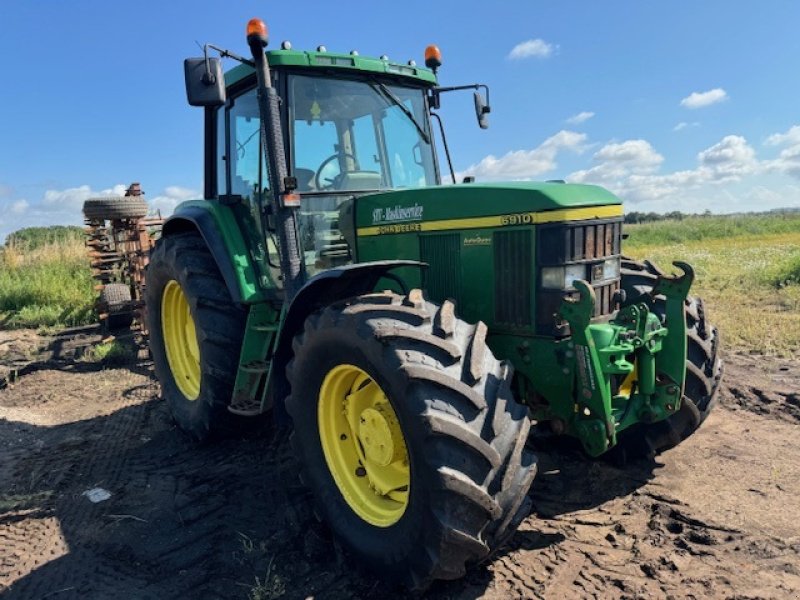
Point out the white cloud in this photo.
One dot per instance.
(788, 161)
(526, 164)
(684, 125)
(6, 191)
(19, 207)
(536, 48)
(581, 117)
(703, 99)
(791, 137)
(630, 169)
(173, 195)
(64, 207)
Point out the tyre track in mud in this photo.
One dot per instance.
(715, 517)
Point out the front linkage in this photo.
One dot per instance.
(626, 371)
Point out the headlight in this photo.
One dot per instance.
(561, 278)
(611, 268)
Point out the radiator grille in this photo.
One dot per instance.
(559, 244)
(442, 279)
(580, 243)
(513, 272)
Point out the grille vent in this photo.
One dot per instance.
(513, 272)
(442, 279)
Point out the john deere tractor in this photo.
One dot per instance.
(409, 332)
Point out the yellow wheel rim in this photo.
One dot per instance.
(363, 445)
(180, 340)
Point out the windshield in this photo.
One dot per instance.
(358, 135)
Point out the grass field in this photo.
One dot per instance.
(46, 283)
(747, 270)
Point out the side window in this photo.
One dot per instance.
(248, 171)
(403, 149)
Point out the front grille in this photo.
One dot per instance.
(442, 278)
(586, 243)
(560, 244)
(513, 277)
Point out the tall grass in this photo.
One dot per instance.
(747, 270)
(49, 285)
(699, 228)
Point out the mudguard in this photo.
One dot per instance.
(217, 225)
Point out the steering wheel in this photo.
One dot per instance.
(330, 182)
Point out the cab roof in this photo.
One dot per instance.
(332, 60)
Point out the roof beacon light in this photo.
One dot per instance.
(433, 57)
(257, 32)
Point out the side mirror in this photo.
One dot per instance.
(481, 110)
(205, 81)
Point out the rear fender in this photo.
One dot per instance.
(220, 230)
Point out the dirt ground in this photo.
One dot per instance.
(719, 516)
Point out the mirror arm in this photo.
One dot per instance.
(224, 54)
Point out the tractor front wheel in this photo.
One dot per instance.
(703, 366)
(409, 435)
(196, 334)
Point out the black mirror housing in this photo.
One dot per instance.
(481, 110)
(205, 81)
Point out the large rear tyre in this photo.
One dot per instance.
(196, 335)
(703, 366)
(409, 436)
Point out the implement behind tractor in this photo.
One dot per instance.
(407, 331)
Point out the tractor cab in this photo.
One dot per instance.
(353, 125)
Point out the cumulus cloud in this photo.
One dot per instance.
(684, 125)
(788, 161)
(791, 137)
(630, 168)
(19, 207)
(536, 48)
(63, 207)
(581, 117)
(172, 195)
(526, 164)
(703, 99)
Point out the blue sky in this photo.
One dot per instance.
(674, 105)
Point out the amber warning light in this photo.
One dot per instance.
(433, 57)
(257, 31)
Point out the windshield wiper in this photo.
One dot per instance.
(389, 95)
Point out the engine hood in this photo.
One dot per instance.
(482, 205)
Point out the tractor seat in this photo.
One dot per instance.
(359, 180)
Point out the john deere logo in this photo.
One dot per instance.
(477, 241)
(397, 214)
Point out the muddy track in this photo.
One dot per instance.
(717, 516)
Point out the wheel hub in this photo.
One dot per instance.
(363, 445)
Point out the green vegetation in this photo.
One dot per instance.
(747, 270)
(45, 279)
(700, 228)
(112, 353)
(32, 238)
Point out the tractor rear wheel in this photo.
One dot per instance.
(196, 334)
(409, 435)
(703, 366)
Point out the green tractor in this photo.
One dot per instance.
(409, 332)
